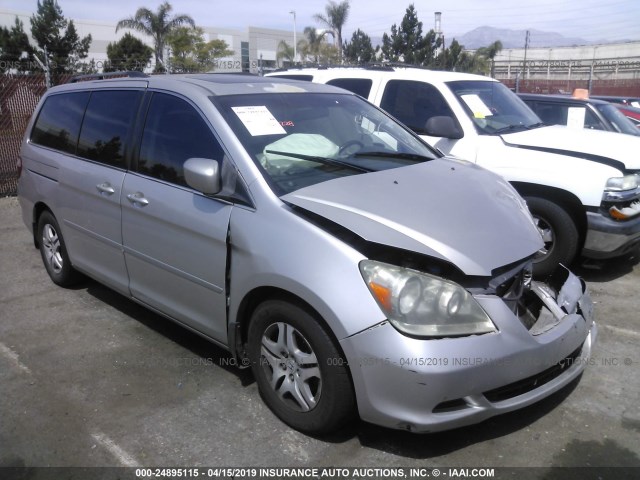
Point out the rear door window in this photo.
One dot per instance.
(58, 124)
(359, 86)
(107, 123)
(413, 103)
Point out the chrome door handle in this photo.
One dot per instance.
(105, 188)
(138, 199)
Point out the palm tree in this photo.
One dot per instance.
(157, 25)
(310, 46)
(286, 52)
(335, 18)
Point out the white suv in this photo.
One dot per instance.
(582, 187)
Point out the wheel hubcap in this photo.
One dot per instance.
(291, 367)
(52, 248)
(546, 231)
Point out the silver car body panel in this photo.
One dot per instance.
(429, 208)
(197, 259)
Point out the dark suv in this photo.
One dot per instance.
(587, 113)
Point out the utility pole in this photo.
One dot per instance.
(295, 41)
(524, 64)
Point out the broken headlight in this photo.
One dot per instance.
(423, 305)
(621, 197)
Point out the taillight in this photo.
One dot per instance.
(19, 166)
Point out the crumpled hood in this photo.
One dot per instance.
(445, 208)
(610, 145)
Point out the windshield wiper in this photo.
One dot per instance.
(509, 128)
(323, 160)
(404, 156)
(536, 125)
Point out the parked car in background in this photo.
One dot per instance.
(354, 268)
(630, 101)
(581, 186)
(632, 113)
(579, 113)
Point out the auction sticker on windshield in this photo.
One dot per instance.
(259, 120)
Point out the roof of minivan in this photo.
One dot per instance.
(210, 83)
(408, 73)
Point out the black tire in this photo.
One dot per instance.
(291, 351)
(54, 251)
(559, 232)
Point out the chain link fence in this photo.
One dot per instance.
(19, 95)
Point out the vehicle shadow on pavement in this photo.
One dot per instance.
(601, 271)
(195, 344)
(432, 445)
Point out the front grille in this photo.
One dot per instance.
(531, 383)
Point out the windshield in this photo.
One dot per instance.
(494, 108)
(300, 139)
(617, 119)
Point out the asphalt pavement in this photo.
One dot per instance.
(89, 378)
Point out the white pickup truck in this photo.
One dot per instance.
(582, 186)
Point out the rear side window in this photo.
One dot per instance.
(359, 86)
(58, 123)
(173, 133)
(413, 103)
(107, 124)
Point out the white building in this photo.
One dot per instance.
(616, 61)
(254, 48)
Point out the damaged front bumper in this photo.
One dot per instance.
(609, 238)
(427, 385)
(614, 229)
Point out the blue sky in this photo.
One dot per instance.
(588, 19)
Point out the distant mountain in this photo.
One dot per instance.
(484, 36)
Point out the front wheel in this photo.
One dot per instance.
(559, 233)
(54, 252)
(301, 375)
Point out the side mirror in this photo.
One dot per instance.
(202, 174)
(443, 126)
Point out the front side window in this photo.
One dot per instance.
(174, 132)
(300, 139)
(106, 126)
(58, 123)
(414, 103)
(493, 108)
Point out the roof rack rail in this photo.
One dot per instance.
(384, 66)
(104, 75)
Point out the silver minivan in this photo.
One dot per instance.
(355, 269)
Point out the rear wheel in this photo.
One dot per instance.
(559, 233)
(54, 252)
(301, 375)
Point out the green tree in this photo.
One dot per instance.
(310, 46)
(359, 50)
(15, 50)
(490, 53)
(285, 52)
(128, 53)
(335, 17)
(191, 53)
(59, 38)
(407, 44)
(157, 25)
